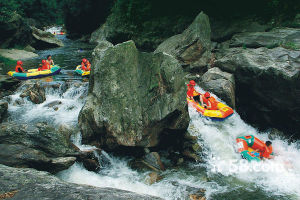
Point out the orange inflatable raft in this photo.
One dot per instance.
(222, 113)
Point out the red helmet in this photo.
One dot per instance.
(206, 95)
(19, 62)
(44, 61)
(192, 82)
(84, 60)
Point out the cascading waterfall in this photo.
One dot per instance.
(69, 95)
(221, 174)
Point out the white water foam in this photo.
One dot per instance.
(71, 100)
(280, 175)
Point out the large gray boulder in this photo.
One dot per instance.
(221, 84)
(267, 85)
(44, 40)
(38, 146)
(286, 37)
(14, 31)
(17, 54)
(8, 85)
(27, 184)
(133, 97)
(193, 46)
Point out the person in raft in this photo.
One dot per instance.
(85, 65)
(192, 93)
(264, 149)
(208, 102)
(49, 60)
(19, 67)
(44, 66)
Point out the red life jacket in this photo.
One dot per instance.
(19, 68)
(46, 66)
(191, 91)
(267, 151)
(86, 66)
(259, 145)
(213, 102)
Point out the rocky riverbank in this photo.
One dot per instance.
(32, 184)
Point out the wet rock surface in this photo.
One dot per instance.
(35, 93)
(192, 47)
(287, 37)
(38, 146)
(8, 85)
(221, 84)
(133, 97)
(44, 40)
(17, 54)
(267, 85)
(30, 184)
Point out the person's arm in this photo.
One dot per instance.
(52, 62)
(201, 100)
(208, 106)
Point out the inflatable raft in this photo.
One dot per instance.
(34, 73)
(81, 72)
(222, 113)
(244, 144)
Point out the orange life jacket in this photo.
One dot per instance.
(213, 102)
(19, 68)
(191, 91)
(45, 66)
(259, 145)
(86, 66)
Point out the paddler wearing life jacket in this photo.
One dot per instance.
(85, 65)
(192, 93)
(44, 66)
(19, 67)
(264, 149)
(208, 102)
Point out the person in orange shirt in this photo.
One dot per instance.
(44, 66)
(267, 150)
(209, 102)
(192, 93)
(19, 67)
(264, 149)
(85, 65)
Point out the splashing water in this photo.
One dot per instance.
(228, 175)
(69, 100)
(222, 174)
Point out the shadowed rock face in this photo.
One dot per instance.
(27, 184)
(279, 36)
(267, 85)
(221, 84)
(44, 40)
(133, 97)
(38, 146)
(14, 31)
(192, 47)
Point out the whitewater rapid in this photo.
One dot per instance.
(224, 175)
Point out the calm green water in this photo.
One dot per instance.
(67, 57)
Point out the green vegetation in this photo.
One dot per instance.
(45, 12)
(290, 45)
